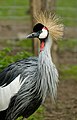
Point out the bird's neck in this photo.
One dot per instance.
(46, 70)
(45, 53)
(48, 44)
(45, 47)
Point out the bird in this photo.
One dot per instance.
(25, 84)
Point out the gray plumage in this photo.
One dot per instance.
(38, 77)
(26, 83)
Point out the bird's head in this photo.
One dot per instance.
(46, 24)
(39, 31)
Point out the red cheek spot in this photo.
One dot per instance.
(45, 28)
(42, 45)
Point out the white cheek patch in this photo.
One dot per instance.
(43, 34)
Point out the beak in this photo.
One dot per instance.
(33, 35)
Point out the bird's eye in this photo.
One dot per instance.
(40, 31)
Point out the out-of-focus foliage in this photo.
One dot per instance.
(6, 57)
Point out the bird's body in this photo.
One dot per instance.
(30, 74)
(24, 84)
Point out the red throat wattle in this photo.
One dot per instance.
(42, 45)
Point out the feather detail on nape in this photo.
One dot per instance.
(51, 22)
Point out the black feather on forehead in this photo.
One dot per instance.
(38, 27)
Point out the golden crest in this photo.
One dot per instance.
(51, 22)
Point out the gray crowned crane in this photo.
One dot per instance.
(25, 83)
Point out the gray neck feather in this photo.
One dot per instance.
(48, 75)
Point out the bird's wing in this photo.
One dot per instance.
(15, 69)
(12, 79)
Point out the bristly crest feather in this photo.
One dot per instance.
(51, 22)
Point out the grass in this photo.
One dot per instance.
(68, 72)
(7, 12)
(67, 12)
(68, 45)
(25, 43)
(14, 2)
(67, 3)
